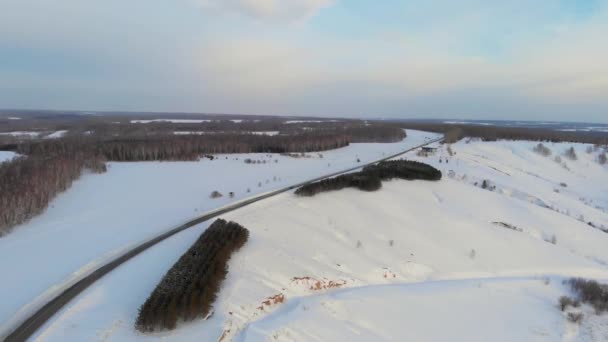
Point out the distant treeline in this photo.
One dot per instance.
(371, 177)
(28, 184)
(185, 147)
(493, 133)
(190, 287)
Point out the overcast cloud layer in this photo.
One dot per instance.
(544, 60)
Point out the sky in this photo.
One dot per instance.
(467, 59)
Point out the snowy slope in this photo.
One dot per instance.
(413, 261)
(102, 215)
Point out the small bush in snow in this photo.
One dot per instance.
(542, 150)
(602, 159)
(472, 254)
(590, 292)
(571, 154)
(216, 194)
(552, 239)
(575, 317)
(450, 151)
(565, 302)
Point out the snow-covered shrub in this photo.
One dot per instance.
(190, 287)
(575, 317)
(215, 194)
(565, 302)
(542, 150)
(590, 292)
(570, 154)
(552, 239)
(602, 159)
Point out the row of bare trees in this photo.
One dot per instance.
(28, 184)
(190, 287)
(184, 147)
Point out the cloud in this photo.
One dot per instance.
(441, 58)
(269, 10)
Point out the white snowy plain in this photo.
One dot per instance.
(181, 121)
(420, 261)
(101, 216)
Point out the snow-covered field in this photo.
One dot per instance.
(23, 134)
(181, 121)
(217, 132)
(6, 155)
(171, 120)
(102, 215)
(419, 261)
(26, 134)
(56, 134)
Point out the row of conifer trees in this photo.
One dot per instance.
(371, 177)
(190, 287)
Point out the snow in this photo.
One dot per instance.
(266, 133)
(217, 132)
(171, 120)
(102, 215)
(305, 121)
(22, 134)
(194, 132)
(421, 261)
(468, 123)
(385, 313)
(56, 134)
(7, 155)
(13, 118)
(180, 121)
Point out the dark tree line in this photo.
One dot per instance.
(190, 287)
(185, 147)
(28, 184)
(403, 169)
(371, 177)
(350, 180)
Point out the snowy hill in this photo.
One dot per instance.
(102, 215)
(459, 259)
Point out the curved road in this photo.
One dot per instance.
(28, 327)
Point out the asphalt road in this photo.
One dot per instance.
(29, 326)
